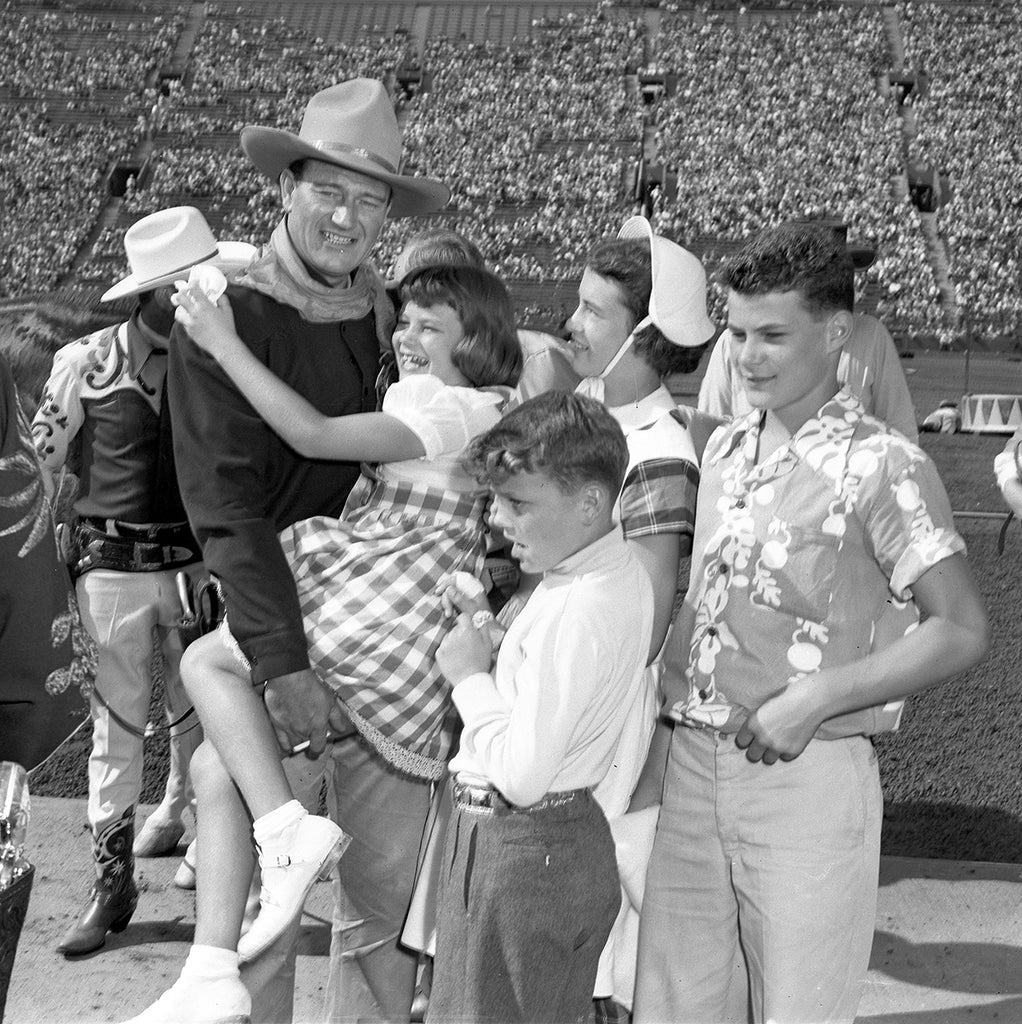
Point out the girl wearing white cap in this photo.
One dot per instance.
(641, 317)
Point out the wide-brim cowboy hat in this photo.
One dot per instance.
(351, 125)
(677, 302)
(164, 245)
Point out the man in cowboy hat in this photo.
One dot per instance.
(869, 365)
(318, 315)
(103, 413)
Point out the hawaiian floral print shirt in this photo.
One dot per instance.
(808, 559)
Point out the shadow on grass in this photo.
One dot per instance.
(975, 968)
(1003, 1010)
(948, 831)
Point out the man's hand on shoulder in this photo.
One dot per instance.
(300, 706)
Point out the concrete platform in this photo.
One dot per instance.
(947, 950)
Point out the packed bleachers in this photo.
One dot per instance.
(532, 113)
(782, 118)
(74, 92)
(536, 143)
(561, 149)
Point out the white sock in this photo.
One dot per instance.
(211, 963)
(270, 827)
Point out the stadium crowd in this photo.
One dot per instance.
(770, 117)
(784, 119)
(74, 90)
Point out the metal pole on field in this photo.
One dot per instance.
(968, 353)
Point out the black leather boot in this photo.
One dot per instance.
(114, 896)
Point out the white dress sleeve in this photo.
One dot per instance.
(445, 418)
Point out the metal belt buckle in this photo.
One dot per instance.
(474, 796)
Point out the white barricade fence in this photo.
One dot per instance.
(991, 414)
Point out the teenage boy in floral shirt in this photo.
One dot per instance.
(827, 584)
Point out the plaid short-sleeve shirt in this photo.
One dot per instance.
(659, 491)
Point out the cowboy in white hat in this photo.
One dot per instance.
(316, 312)
(104, 413)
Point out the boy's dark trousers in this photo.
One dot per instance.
(527, 900)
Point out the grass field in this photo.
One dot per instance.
(952, 773)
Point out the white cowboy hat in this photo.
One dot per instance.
(351, 125)
(677, 303)
(165, 244)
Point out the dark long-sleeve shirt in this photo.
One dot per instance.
(242, 484)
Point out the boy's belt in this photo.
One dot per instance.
(487, 800)
(133, 547)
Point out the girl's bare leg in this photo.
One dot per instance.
(294, 847)
(225, 859)
(210, 990)
(235, 720)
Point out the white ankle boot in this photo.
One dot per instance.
(308, 850)
(199, 1001)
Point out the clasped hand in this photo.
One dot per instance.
(467, 648)
(782, 726)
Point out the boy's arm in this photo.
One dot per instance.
(659, 555)
(649, 789)
(952, 636)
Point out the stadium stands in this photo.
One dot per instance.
(543, 117)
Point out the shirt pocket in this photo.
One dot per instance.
(795, 572)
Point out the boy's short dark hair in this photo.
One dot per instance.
(626, 262)
(806, 258)
(568, 437)
(489, 354)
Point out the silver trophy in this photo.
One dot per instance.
(15, 871)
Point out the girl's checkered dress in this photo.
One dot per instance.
(373, 620)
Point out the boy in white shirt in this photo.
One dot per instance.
(530, 884)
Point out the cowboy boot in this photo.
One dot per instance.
(114, 896)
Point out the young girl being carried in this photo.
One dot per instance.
(367, 585)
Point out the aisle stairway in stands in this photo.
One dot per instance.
(193, 26)
(895, 40)
(936, 253)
